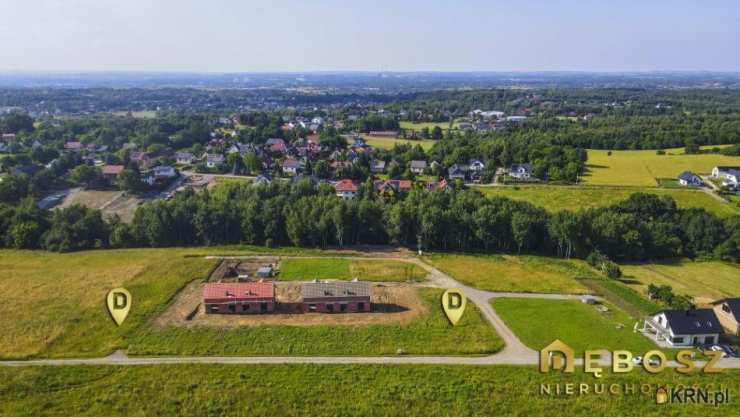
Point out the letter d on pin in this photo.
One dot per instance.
(453, 304)
(119, 304)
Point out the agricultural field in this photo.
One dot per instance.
(52, 304)
(643, 168)
(562, 197)
(535, 274)
(389, 143)
(368, 390)
(296, 269)
(428, 334)
(537, 322)
(704, 281)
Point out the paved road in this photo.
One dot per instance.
(513, 353)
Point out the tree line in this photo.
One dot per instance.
(640, 228)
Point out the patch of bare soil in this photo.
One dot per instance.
(392, 303)
(231, 269)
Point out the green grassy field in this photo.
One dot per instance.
(346, 269)
(705, 281)
(430, 334)
(618, 293)
(515, 273)
(429, 125)
(538, 322)
(642, 168)
(389, 143)
(334, 390)
(54, 304)
(562, 197)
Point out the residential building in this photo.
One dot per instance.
(688, 178)
(73, 146)
(384, 133)
(276, 145)
(110, 172)
(521, 171)
(728, 313)
(516, 119)
(292, 166)
(184, 158)
(684, 327)
(239, 297)
(336, 297)
(475, 165)
(456, 172)
(215, 160)
(377, 166)
(346, 189)
(730, 176)
(144, 160)
(392, 187)
(418, 167)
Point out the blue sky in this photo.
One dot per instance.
(327, 35)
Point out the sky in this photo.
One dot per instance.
(378, 35)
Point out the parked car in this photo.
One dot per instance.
(637, 360)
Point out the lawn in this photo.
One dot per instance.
(335, 390)
(537, 322)
(621, 295)
(345, 269)
(389, 143)
(429, 334)
(705, 281)
(562, 197)
(54, 304)
(524, 273)
(642, 168)
(406, 125)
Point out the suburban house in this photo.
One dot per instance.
(684, 327)
(336, 297)
(215, 160)
(144, 160)
(729, 175)
(239, 297)
(276, 145)
(291, 166)
(728, 314)
(418, 167)
(377, 166)
(73, 146)
(476, 165)
(383, 133)
(456, 172)
(516, 119)
(521, 171)
(110, 172)
(184, 158)
(392, 187)
(346, 189)
(688, 178)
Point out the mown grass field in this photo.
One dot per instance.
(346, 269)
(705, 281)
(429, 125)
(430, 334)
(536, 274)
(54, 304)
(642, 168)
(621, 295)
(335, 390)
(389, 143)
(562, 197)
(537, 322)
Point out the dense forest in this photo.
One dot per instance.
(640, 228)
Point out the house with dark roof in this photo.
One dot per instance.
(689, 179)
(377, 166)
(728, 313)
(456, 172)
(684, 327)
(390, 188)
(730, 176)
(418, 167)
(520, 171)
(215, 160)
(184, 158)
(292, 166)
(336, 297)
(239, 297)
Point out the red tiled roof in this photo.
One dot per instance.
(345, 185)
(112, 169)
(73, 145)
(237, 291)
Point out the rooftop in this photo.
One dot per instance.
(336, 289)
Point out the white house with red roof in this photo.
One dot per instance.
(346, 189)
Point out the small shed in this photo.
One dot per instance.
(265, 271)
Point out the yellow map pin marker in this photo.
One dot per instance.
(453, 303)
(119, 304)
